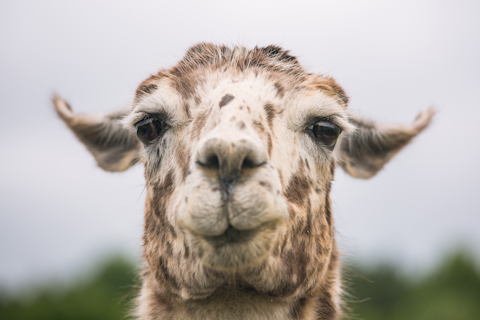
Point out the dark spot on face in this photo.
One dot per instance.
(172, 231)
(187, 109)
(199, 123)
(308, 221)
(197, 99)
(184, 83)
(241, 108)
(328, 209)
(162, 194)
(225, 100)
(241, 125)
(270, 110)
(187, 250)
(269, 145)
(182, 157)
(168, 249)
(280, 89)
(233, 119)
(284, 243)
(248, 108)
(266, 184)
(148, 89)
(145, 90)
(330, 86)
(291, 211)
(298, 187)
(281, 177)
(259, 126)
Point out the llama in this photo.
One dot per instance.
(239, 148)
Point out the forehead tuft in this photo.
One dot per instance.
(271, 58)
(277, 65)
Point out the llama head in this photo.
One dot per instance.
(239, 148)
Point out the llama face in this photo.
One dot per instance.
(242, 160)
(238, 174)
(239, 149)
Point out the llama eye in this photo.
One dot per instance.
(149, 129)
(326, 133)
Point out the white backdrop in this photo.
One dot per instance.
(59, 212)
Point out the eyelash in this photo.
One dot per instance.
(155, 116)
(326, 133)
(150, 129)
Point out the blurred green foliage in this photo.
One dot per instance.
(449, 292)
(106, 296)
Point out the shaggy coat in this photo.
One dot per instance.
(239, 148)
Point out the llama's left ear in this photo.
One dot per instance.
(113, 147)
(365, 151)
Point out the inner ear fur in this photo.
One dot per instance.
(365, 151)
(114, 147)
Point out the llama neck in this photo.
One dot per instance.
(230, 302)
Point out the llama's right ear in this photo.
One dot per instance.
(114, 147)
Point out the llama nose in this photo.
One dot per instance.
(231, 157)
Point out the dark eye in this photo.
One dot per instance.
(149, 129)
(326, 133)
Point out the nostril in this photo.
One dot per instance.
(248, 163)
(251, 161)
(212, 162)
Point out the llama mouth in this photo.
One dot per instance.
(236, 249)
(232, 236)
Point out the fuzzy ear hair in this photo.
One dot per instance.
(365, 151)
(114, 147)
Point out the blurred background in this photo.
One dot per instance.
(70, 234)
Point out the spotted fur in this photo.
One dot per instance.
(238, 221)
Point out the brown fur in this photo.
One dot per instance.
(225, 100)
(238, 221)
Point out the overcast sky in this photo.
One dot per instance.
(59, 212)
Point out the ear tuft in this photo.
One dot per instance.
(113, 147)
(365, 151)
(62, 107)
(423, 119)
